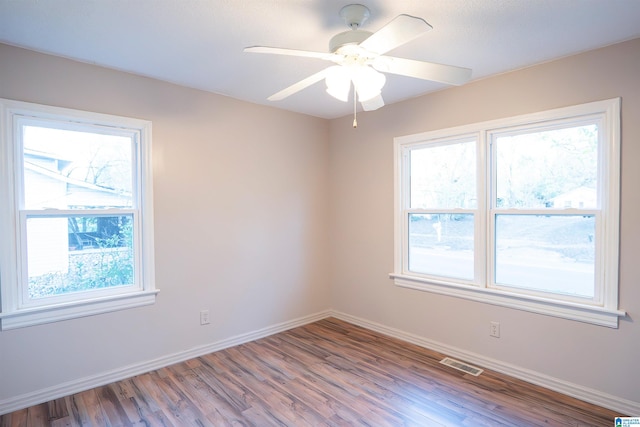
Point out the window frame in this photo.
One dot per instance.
(438, 141)
(17, 309)
(604, 312)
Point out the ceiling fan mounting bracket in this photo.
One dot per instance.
(354, 15)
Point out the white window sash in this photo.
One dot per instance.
(26, 302)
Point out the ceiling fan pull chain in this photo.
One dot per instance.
(355, 110)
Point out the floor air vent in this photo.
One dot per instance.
(461, 366)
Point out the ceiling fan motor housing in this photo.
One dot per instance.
(348, 38)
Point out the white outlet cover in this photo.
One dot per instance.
(494, 329)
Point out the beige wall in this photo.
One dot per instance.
(361, 173)
(240, 222)
(264, 216)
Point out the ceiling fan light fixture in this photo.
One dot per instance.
(368, 82)
(338, 82)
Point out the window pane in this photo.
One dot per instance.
(66, 169)
(546, 253)
(444, 176)
(554, 169)
(72, 254)
(441, 245)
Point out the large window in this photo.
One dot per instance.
(77, 223)
(520, 212)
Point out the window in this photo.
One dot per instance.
(77, 228)
(520, 212)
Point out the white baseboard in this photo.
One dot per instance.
(76, 386)
(617, 404)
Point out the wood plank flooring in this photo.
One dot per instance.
(329, 373)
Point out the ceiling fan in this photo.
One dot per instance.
(360, 59)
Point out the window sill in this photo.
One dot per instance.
(580, 312)
(54, 313)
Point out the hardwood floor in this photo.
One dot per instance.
(329, 373)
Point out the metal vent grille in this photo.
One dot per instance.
(461, 366)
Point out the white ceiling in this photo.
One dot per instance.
(199, 43)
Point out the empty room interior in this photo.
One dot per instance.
(486, 210)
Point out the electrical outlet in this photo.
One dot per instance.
(494, 329)
(204, 317)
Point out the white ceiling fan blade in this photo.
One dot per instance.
(297, 87)
(448, 74)
(373, 103)
(402, 29)
(290, 52)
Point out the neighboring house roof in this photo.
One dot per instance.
(61, 162)
(577, 193)
(586, 196)
(77, 193)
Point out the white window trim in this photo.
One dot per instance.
(605, 314)
(15, 314)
